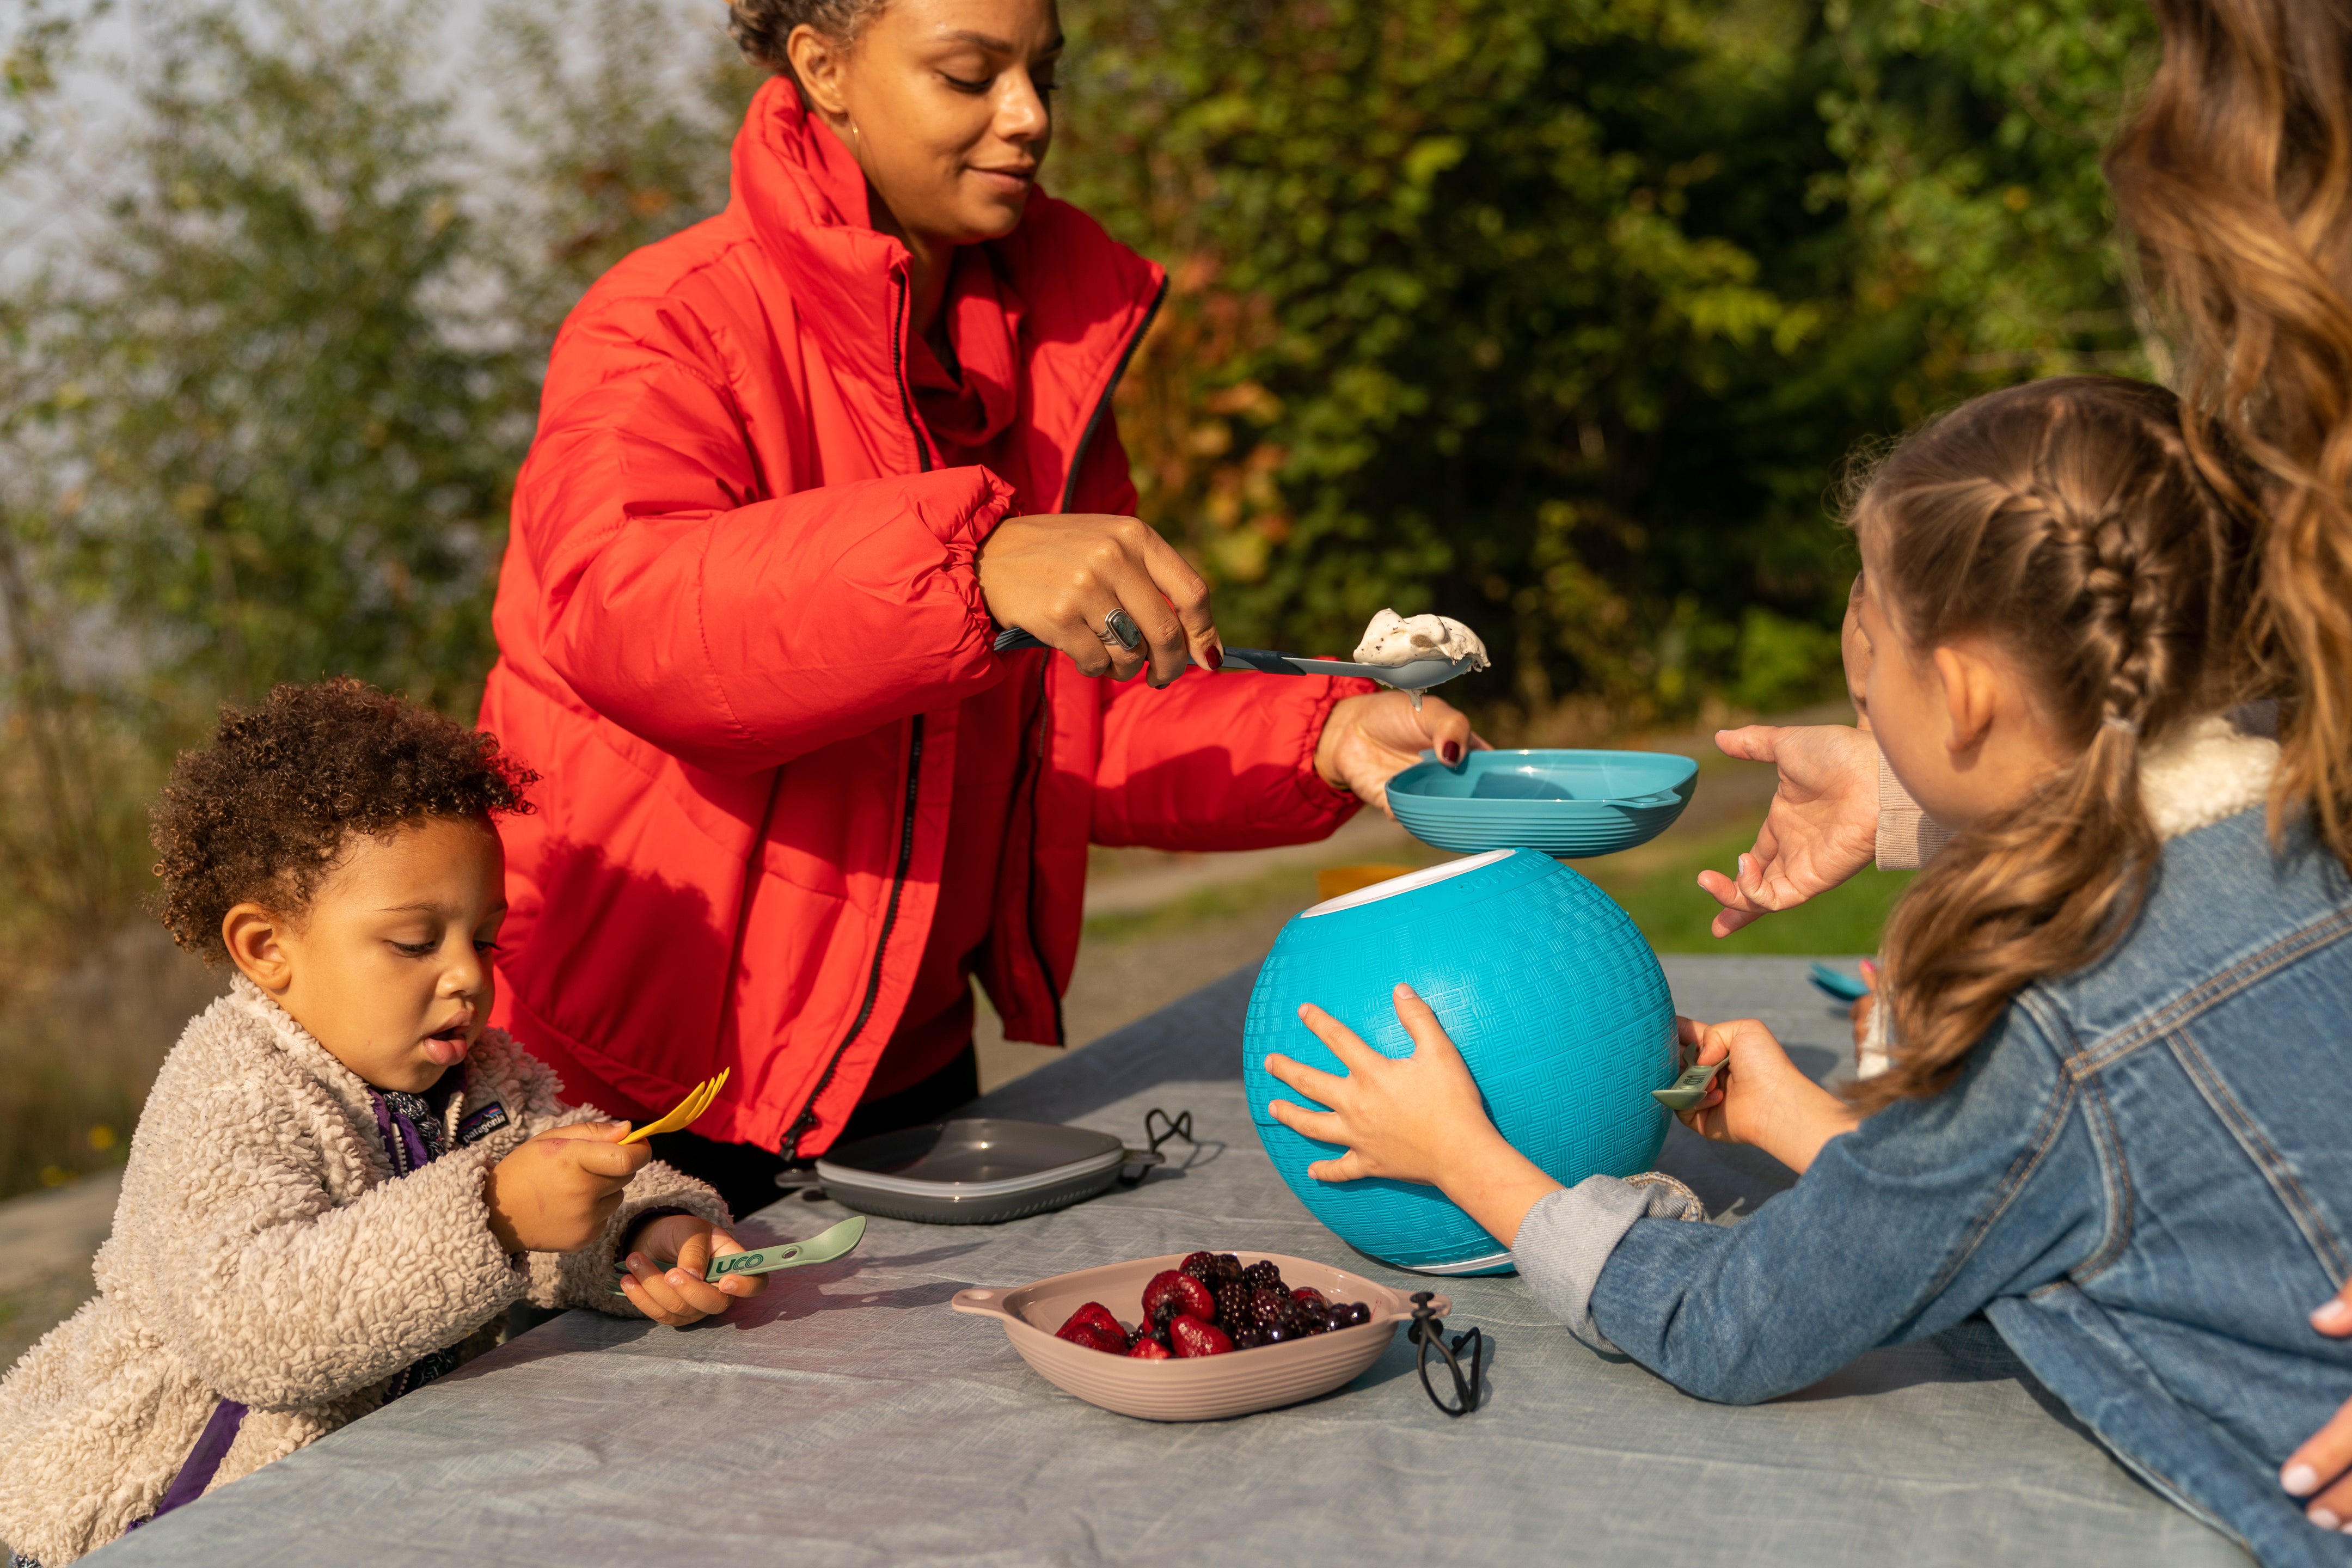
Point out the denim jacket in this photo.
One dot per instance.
(2143, 1177)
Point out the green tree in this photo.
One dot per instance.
(1556, 315)
(308, 416)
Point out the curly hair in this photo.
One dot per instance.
(760, 27)
(264, 812)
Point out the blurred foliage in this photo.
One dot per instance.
(1556, 315)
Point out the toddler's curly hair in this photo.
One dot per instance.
(264, 812)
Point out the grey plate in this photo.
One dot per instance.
(976, 1172)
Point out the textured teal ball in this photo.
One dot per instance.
(1557, 1002)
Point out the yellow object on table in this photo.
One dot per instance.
(682, 1115)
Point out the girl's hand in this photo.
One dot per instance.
(1414, 1119)
(1823, 826)
(2326, 1458)
(1759, 1098)
(1368, 740)
(667, 1266)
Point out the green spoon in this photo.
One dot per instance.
(1688, 1089)
(823, 1247)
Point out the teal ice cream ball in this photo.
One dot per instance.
(1557, 1002)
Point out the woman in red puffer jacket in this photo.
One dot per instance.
(796, 467)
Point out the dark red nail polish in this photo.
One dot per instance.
(1217, 656)
(1453, 753)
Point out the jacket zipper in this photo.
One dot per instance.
(807, 1118)
(1045, 703)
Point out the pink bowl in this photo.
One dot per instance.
(1204, 1388)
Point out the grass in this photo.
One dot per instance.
(1662, 895)
(1657, 885)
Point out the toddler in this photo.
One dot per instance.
(340, 1180)
(2116, 999)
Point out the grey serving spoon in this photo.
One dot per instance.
(1414, 676)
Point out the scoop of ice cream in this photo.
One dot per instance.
(1392, 638)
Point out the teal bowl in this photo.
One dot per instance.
(1569, 805)
(1557, 1005)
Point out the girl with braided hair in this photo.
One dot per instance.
(2106, 1126)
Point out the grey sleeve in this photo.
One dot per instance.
(1567, 1237)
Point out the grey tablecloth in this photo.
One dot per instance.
(848, 1417)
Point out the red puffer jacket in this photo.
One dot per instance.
(736, 620)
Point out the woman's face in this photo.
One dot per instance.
(947, 106)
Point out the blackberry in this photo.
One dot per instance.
(1229, 1269)
(1233, 1306)
(1263, 1276)
(1200, 1266)
(1266, 1310)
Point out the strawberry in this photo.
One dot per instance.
(1095, 1339)
(1095, 1315)
(1189, 1336)
(1308, 1296)
(1149, 1348)
(1186, 1293)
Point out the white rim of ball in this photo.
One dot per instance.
(1424, 878)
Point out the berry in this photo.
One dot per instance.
(1189, 1336)
(1149, 1348)
(1179, 1289)
(1306, 1295)
(1263, 1276)
(1229, 1268)
(1233, 1304)
(1095, 1339)
(1095, 1315)
(1200, 1266)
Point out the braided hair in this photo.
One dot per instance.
(2069, 523)
(761, 29)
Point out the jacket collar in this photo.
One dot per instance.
(2207, 773)
(804, 197)
(260, 1015)
(1084, 299)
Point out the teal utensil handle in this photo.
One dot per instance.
(1837, 983)
(1688, 1089)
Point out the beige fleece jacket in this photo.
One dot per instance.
(262, 1252)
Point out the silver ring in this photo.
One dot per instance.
(1118, 627)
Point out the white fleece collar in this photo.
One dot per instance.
(2207, 772)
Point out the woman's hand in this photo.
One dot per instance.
(1822, 827)
(1058, 578)
(2325, 1460)
(1759, 1098)
(1368, 740)
(667, 1266)
(1418, 1118)
(555, 1193)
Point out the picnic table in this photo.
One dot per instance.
(848, 1417)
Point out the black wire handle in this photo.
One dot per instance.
(1179, 1126)
(1428, 1332)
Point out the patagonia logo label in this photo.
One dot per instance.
(482, 1123)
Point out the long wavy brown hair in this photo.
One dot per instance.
(2236, 179)
(2069, 523)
